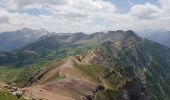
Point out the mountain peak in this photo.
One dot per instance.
(79, 33)
(127, 33)
(132, 33)
(122, 39)
(25, 29)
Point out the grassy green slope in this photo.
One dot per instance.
(24, 58)
(113, 84)
(92, 72)
(9, 74)
(6, 96)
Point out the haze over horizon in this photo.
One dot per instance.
(85, 15)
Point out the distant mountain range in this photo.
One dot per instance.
(55, 40)
(17, 39)
(113, 65)
(160, 37)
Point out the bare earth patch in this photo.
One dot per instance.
(65, 89)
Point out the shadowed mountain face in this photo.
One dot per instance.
(113, 65)
(20, 38)
(146, 60)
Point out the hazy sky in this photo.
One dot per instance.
(85, 15)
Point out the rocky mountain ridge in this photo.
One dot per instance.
(116, 65)
(123, 67)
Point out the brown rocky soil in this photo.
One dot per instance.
(72, 87)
